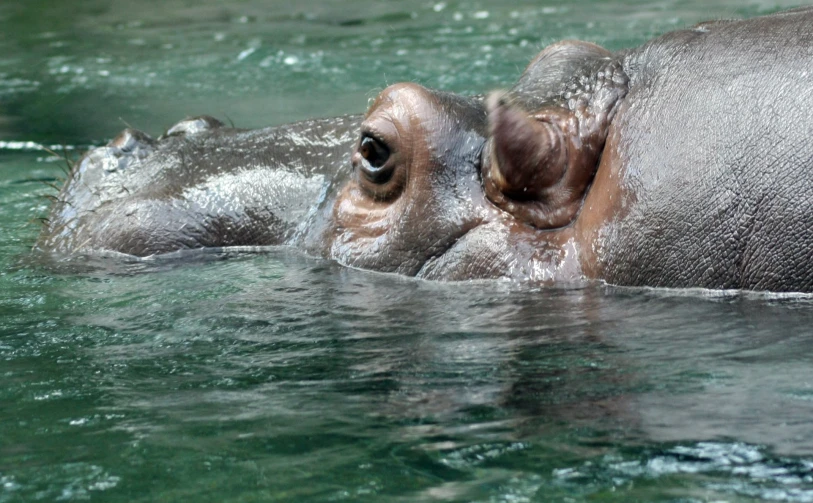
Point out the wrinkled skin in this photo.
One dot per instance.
(685, 162)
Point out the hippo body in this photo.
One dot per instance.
(686, 162)
(709, 162)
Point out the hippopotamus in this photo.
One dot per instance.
(685, 162)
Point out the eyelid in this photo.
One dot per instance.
(375, 135)
(383, 131)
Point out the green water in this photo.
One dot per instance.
(278, 377)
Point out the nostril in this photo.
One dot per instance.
(195, 125)
(131, 140)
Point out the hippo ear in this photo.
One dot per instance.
(528, 155)
(527, 170)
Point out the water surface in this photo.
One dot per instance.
(278, 377)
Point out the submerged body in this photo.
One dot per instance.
(685, 162)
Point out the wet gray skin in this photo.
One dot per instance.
(199, 185)
(685, 162)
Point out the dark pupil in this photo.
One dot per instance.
(374, 152)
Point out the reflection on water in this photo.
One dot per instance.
(272, 376)
(276, 374)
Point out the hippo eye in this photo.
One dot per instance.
(375, 152)
(375, 155)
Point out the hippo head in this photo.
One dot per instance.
(441, 186)
(452, 187)
(416, 202)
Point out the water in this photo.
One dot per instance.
(278, 377)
